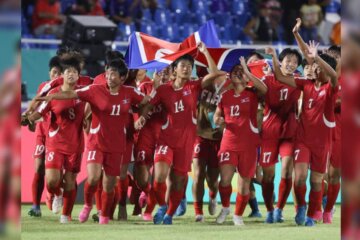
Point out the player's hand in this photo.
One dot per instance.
(312, 51)
(24, 120)
(139, 124)
(86, 125)
(219, 121)
(32, 126)
(243, 63)
(202, 47)
(297, 25)
(270, 51)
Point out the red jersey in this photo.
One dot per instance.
(110, 111)
(42, 126)
(65, 124)
(280, 103)
(100, 79)
(180, 107)
(82, 82)
(337, 130)
(45, 6)
(240, 112)
(317, 117)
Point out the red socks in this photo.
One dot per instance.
(198, 206)
(268, 191)
(150, 202)
(69, 200)
(225, 194)
(284, 191)
(160, 191)
(241, 201)
(89, 192)
(107, 201)
(174, 201)
(300, 192)
(333, 191)
(37, 188)
(314, 202)
(98, 194)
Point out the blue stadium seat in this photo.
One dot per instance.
(239, 7)
(162, 16)
(179, 5)
(199, 6)
(161, 3)
(181, 17)
(242, 19)
(200, 18)
(333, 7)
(187, 29)
(125, 30)
(170, 32)
(148, 28)
(225, 35)
(146, 14)
(222, 18)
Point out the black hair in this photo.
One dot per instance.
(118, 65)
(112, 56)
(54, 62)
(329, 60)
(335, 48)
(70, 62)
(68, 52)
(185, 57)
(304, 62)
(254, 53)
(290, 51)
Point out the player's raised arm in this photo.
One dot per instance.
(58, 96)
(301, 43)
(288, 80)
(258, 84)
(313, 54)
(218, 117)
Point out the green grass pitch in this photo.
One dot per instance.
(183, 228)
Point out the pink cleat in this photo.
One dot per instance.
(147, 217)
(318, 216)
(327, 218)
(142, 199)
(84, 214)
(103, 220)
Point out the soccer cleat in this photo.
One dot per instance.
(34, 212)
(324, 202)
(199, 218)
(269, 217)
(318, 216)
(147, 217)
(84, 214)
(327, 218)
(122, 213)
(136, 210)
(238, 220)
(103, 220)
(159, 216)
(64, 219)
(142, 200)
(181, 210)
(95, 216)
(167, 220)
(309, 222)
(212, 206)
(300, 215)
(57, 204)
(278, 217)
(222, 216)
(255, 214)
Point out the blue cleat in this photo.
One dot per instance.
(300, 215)
(278, 217)
(309, 222)
(159, 216)
(324, 202)
(167, 220)
(255, 214)
(181, 210)
(269, 217)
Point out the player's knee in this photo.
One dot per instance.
(52, 182)
(93, 180)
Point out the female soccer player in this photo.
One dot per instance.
(237, 109)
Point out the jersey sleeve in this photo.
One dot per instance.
(156, 96)
(136, 96)
(301, 82)
(86, 94)
(50, 85)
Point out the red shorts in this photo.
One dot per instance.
(145, 149)
(316, 157)
(179, 158)
(271, 149)
(207, 151)
(70, 162)
(286, 148)
(39, 147)
(111, 162)
(244, 161)
(335, 158)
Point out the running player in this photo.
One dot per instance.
(39, 153)
(313, 141)
(237, 109)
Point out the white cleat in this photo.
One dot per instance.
(222, 216)
(57, 204)
(199, 218)
(64, 219)
(212, 206)
(238, 221)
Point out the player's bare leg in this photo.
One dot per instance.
(225, 189)
(285, 187)
(212, 176)
(333, 191)
(199, 168)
